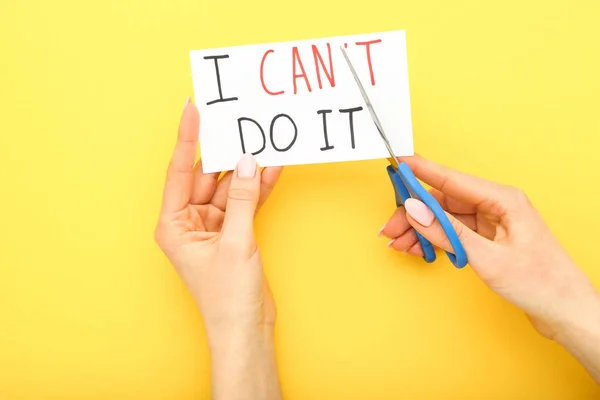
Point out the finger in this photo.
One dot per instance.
(489, 196)
(470, 221)
(219, 198)
(422, 219)
(179, 182)
(405, 241)
(416, 250)
(204, 185)
(396, 225)
(268, 180)
(403, 235)
(451, 204)
(465, 213)
(242, 199)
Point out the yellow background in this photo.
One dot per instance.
(90, 97)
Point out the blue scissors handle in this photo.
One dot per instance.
(406, 186)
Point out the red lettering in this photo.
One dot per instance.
(296, 57)
(318, 59)
(368, 44)
(262, 78)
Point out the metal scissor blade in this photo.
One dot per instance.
(374, 117)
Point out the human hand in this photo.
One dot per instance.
(508, 245)
(206, 228)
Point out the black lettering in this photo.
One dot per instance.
(242, 135)
(295, 132)
(325, 112)
(350, 111)
(220, 99)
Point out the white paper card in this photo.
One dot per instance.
(297, 102)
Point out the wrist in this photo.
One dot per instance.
(223, 342)
(243, 364)
(581, 338)
(582, 326)
(572, 308)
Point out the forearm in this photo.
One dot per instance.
(244, 367)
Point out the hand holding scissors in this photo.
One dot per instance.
(407, 186)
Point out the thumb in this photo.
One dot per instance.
(422, 219)
(242, 199)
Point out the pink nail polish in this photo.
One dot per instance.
(390, 243)
(186, 102)
(246, 167)
(419, 212)
(381, 231)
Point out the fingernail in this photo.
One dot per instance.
(380, 231)
(390, 243)
(186, 102)
(246, 167)
(419, 212)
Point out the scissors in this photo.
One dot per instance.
(407, 186)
